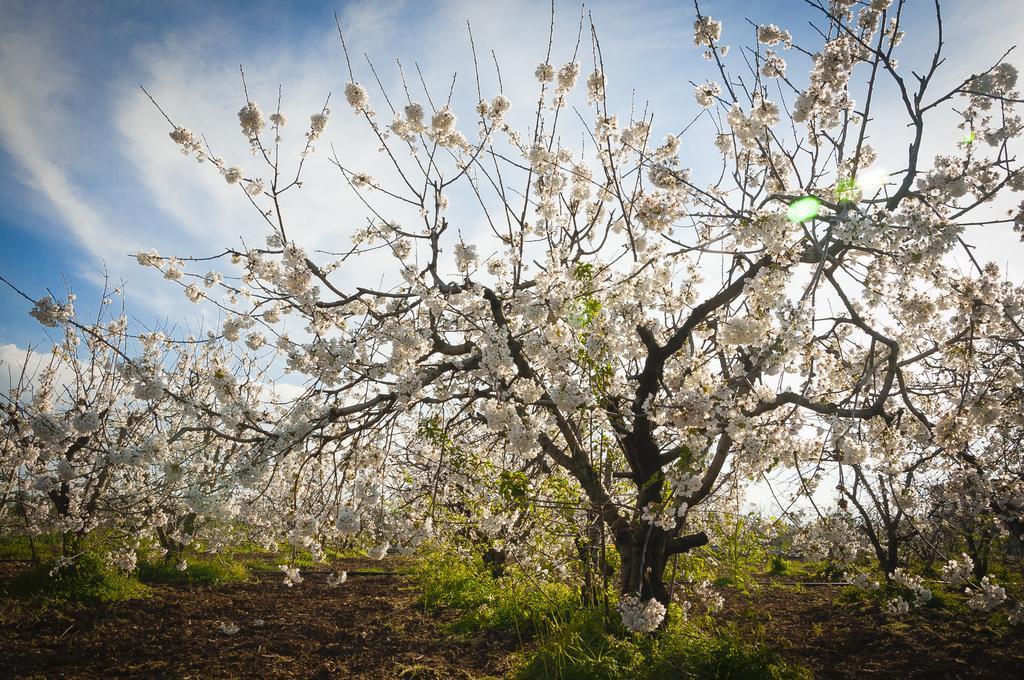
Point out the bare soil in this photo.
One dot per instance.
(812, 626)
(372, 627)
(369, 627)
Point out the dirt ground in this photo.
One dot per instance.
(371, 627)
(814, 627)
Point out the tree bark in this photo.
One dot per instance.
(645, 552)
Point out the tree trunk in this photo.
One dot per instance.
(592, 563)
(645, 552)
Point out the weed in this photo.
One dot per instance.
(200, 571)
(86, 579)
(585, 645)
(511, 603)
(577, 642)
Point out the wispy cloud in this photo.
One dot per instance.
(34, 82)
(113, 182)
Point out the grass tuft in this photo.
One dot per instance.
(576, 642)
(86, 579)
(510, 603)
(200, 571)
(584, 645)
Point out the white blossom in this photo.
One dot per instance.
(707, 93)
(250, 118)
(641, 616)
(291, 575)
(356, 96)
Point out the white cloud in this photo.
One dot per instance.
(34, 81)
(22, 367)
(186, 209)
(180, 208)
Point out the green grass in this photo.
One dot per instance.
(946, 602)
(257, 558)
(20, 548)
(585, 646)
(200, 571)
(304, 560)
(577, 642)
(511, 603)
(777, 565)
(87, 579)
(804, 570)
(737, 555)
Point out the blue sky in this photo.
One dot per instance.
(88, 175)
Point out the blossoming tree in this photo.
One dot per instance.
(614, 320)
(104, 435)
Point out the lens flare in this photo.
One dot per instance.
(872, 179)
(803, 209)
